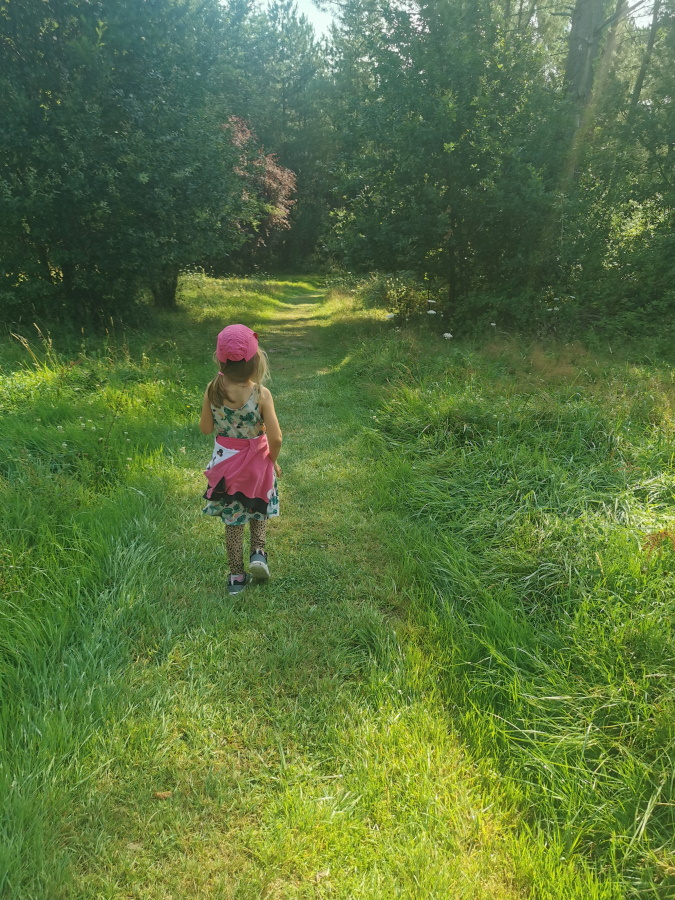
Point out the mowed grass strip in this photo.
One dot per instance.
(162, 741)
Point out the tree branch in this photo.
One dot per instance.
(622, 14)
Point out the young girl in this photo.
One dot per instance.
(241, 476)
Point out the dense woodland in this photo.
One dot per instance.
(513, 156)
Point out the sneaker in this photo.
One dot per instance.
(258, 565)
(236, 586)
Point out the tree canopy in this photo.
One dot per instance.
(509, 150)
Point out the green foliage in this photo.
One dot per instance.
(464, 152)
(405, 295)
(507, 150)
(121, 166)
(438, 160)
(281, 80)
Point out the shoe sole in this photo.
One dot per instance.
(259, 571)
(241, 587)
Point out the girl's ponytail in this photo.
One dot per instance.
(255, 369)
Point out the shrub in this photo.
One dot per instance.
(402, 293)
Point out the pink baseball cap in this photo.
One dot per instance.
(236, 342)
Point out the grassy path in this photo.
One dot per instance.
(290, 744)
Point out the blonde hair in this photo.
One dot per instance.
(256, 369)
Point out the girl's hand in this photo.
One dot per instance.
(277, 470)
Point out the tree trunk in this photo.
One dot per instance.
(586, 76)
(507, 14)
(164, 290)
(584, 41)
(646, 59)
(453, 268)
(520, 13)
(524, 20)
(78, 300)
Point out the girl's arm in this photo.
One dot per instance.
(206, 422)
(271, 423)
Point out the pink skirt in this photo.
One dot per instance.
(241, 471)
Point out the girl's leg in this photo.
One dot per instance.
(234, 543)
(258, 566)
(258, 529)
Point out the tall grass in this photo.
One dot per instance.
(535, 499)
(94, 440)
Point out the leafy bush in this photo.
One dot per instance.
(402, 293)
(541, 313)
(116, 178)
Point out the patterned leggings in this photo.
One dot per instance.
(234, 543)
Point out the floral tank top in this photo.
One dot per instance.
(244, 422)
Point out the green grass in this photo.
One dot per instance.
(538, 492)
(458, 682)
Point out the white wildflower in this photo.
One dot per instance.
(431, 312)
(390, 316)
(556, 308)
(59, 427)
(447, 336)
(494, 324)
(64, 445)
(431, 301)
